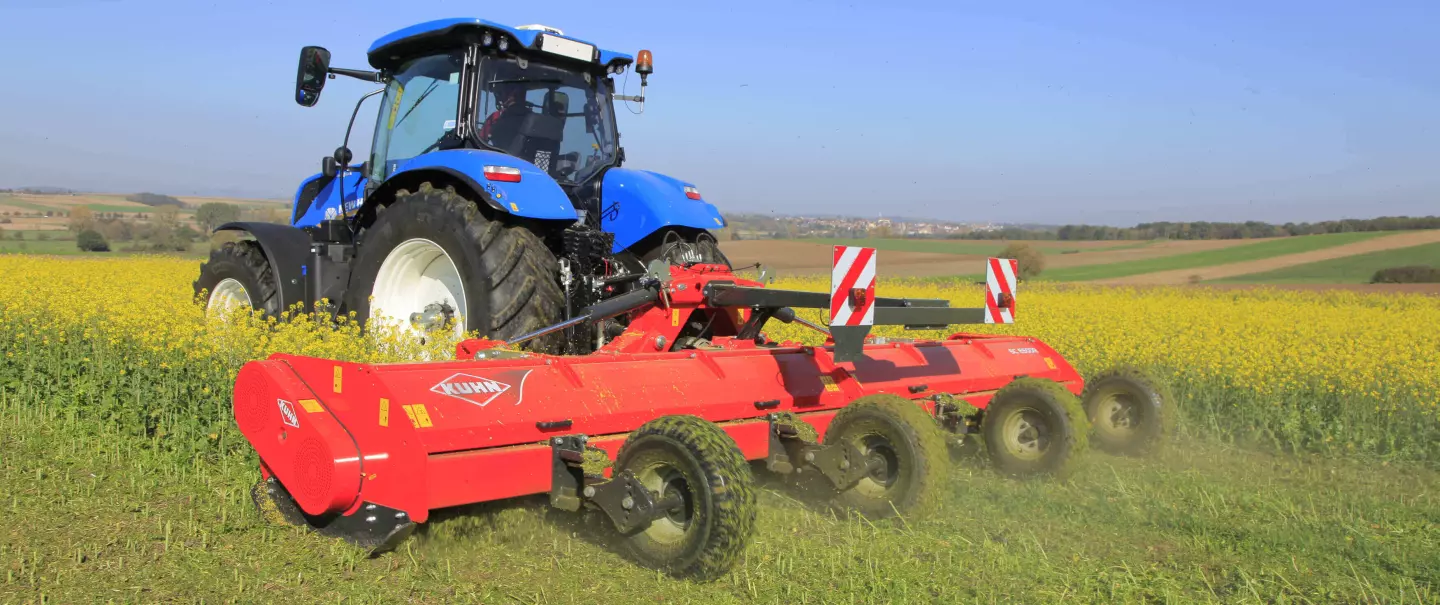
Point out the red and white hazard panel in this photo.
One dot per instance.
(1000, 290)
(852, 287)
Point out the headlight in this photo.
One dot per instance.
(487, 39)
(504, 43)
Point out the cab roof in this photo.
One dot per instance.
(402, 44)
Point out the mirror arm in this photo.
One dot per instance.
(358, 74)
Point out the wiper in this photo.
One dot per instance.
(425, 93)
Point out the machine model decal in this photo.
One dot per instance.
(481, 390)
(287, 413)
(1025, 351)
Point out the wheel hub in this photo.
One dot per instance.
(1118, 415)
(228, 294)
(1027, 434)
(418, 289)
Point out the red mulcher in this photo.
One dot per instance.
(655, 429)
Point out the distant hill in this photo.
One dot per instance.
(156, 199)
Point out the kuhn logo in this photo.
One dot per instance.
(287, 413)
(481, 390)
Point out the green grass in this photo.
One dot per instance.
(968, 247)
(1210, 258)
(94, 514)
(1357, 269)
(31, 246)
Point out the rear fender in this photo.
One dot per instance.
(637, 203)
(536, 196)
(288, 251)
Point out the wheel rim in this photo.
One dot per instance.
(1117, 414)
(884, 464)
(1026, 434)
(662, 480)
(227, 295)
(418, 289)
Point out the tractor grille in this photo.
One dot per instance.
(253, 410)
(314, 469)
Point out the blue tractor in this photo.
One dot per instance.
(494, 199)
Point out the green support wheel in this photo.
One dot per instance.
(1131, 411)
(904, 449)
(1034, 426)
(686, 455)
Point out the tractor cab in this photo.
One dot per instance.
(529, 92)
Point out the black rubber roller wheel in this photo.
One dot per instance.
(904, 449)
(1131, 411)
(238, 275)
(1033, 427)
(433, 260)
(686, 455)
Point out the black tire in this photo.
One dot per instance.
(1130, 410)
(509, 277)
(706, 537)
(244, 262)
(898, 433)
(1034, 426)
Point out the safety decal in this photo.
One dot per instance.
(384, 412)
(852, 287)
(502, 386)
(829, 383)
(419, 417)
(287, 413)
(311, 406)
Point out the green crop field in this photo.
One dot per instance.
(1357, 269)
(968, 247)
(1306, 468)
(1209, 258)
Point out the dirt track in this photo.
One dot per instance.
(1181, 276)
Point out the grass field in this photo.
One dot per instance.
(1235, 254)
(1306, 471)
(971, 247)
(1357, 269)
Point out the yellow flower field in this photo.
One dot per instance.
(1336, 372)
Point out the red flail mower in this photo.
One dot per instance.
(657, 429)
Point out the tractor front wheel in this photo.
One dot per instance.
(905, 452)
(1130, 410)
(432, 260)
(693, 458)
(238, 276)
(1034, 426)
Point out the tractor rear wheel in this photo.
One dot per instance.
(905, 451)
(1034, 426)
(704, 536)
(433, 260)
(1130, 410)
(238, 276)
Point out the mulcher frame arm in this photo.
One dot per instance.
(913, 313)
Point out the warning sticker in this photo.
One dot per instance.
(419, 418)
(829, 383)
(311, 406)
(384, 412)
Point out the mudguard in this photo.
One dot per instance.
(288, 250)
(636, 203)
(319, 197)
(535, 196)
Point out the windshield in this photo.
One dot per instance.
(556, 118)
(418, 111)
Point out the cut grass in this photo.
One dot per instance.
(1210, 258)
(94, 515)
(967, 247)
(1357, 269)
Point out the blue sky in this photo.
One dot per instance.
(1099, 111)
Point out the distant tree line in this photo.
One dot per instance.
(1207, 230)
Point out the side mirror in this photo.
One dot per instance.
(328, 167)
(310, 78)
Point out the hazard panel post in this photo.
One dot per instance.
(1000, 290)
(852, 300)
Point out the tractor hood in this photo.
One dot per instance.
(636, 203)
